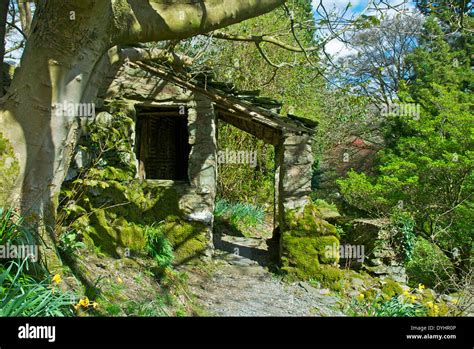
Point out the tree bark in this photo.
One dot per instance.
(3, 22)
(60, 64)
(24, 8)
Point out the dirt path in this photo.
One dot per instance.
(238, 283)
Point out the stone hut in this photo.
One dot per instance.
(171, 134)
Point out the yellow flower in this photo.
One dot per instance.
(119, 280)
(412, 299)
(77, 306)
(406, 293)
(429, 304)
(360, 297)
(95, 305)
(421, 287)
(56, 279)
(84, 302)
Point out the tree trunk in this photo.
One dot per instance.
(3, 22)
(55, 68)
(24, 8)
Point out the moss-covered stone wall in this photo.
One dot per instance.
(111, 209)
(310, 247)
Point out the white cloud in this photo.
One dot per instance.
(338, 49)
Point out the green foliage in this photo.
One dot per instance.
(359, 191)
(406, 237)
(391, 289)
(69, 242)
(242, 182)
(427, 167)
(159, 247)
(22, 295)
(429, 266)
(10, 226)
(239, 214)
(395, 306)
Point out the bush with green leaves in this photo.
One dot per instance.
(69, 242)
(429, 266)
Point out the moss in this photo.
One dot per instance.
(309, 222)
(299, 256)
(328, 249)
(390, 289)
(330, 277)
(308, 244)
(121, 212)
(188, 239)
(9, 169)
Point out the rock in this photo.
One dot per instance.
(104, 119)
(380, 256)
(324, 291)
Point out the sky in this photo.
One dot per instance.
(335, 47)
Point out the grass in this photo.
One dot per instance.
(22, 295)
(240, 214)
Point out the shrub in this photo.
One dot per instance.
(429, 266)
